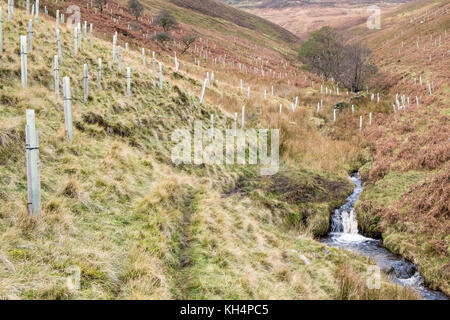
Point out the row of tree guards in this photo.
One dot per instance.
(32, 135)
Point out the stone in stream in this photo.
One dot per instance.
(402, 269)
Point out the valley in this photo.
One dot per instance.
(123, 216)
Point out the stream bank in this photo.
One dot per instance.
(344, 234)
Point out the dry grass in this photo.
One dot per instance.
(115, 206)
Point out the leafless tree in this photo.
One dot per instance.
(100, 4)
(326, 53)
(358, 67)
(188, 40)
(166, 20)
(162, 37)
(323, 52)
(135, 7)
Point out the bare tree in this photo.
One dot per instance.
(323, 52)
(166, 20)
(326, 53)
(188, 40)
(135, 7)
(358, 67)
(162, 37)
(100, 4)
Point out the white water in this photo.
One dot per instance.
(349, 223)
(344, 234)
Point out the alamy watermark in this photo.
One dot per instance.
(75, 18)
(373, 280)
(234, 146)
(73, 281)
(374, 20)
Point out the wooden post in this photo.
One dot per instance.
(99, 73)
(370, 118)
(129, 82)
(85, 83)
(160, 77)
(360, 123)
(23, 60)
(56, 76)
(33, 170)
(202, 96)
(67, 107)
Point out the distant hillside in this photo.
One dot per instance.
(292, 3)
(407, 196)
(216, 9)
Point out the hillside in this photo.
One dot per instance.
(215, 9)
(132, 223)
(277, 4)
(406, 198)
(302, 18)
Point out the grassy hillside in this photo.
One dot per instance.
(293, 3)
(407, 182)
(136, 225)
(216, 9)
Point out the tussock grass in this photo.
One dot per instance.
(114, 205)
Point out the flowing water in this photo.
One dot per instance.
(344, 234)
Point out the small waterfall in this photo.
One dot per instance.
(343, 220)
(349, 223)
(344, 234)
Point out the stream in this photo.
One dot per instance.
(344, 234)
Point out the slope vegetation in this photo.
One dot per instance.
(117, 211)
(408, 180)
